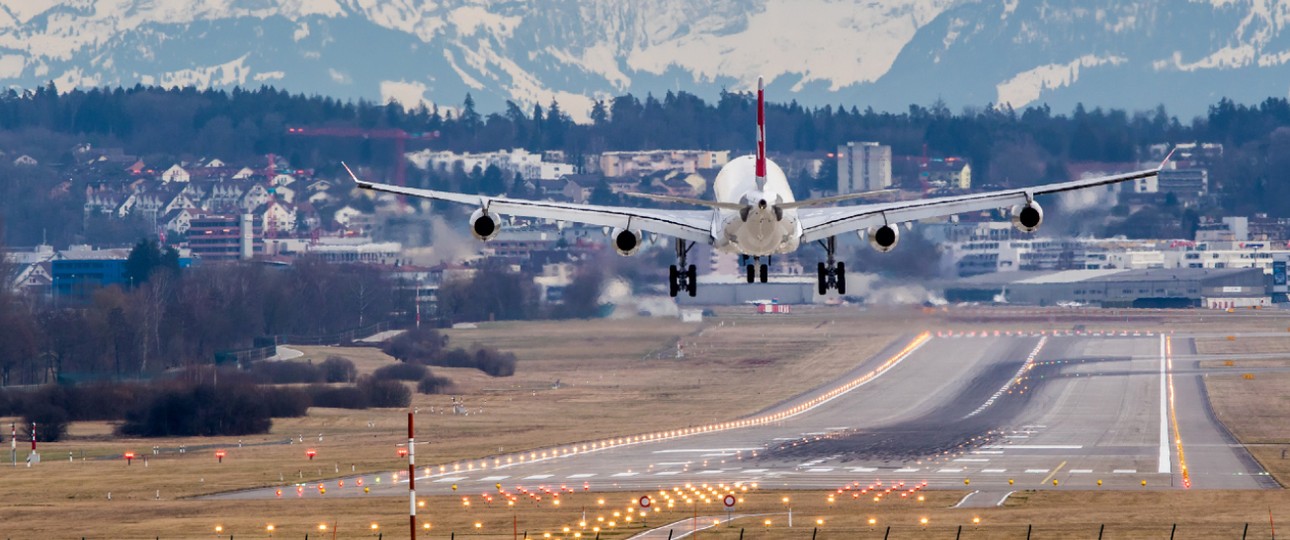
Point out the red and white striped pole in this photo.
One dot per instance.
(412, 479)
(33, 436)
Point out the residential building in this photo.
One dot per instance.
(225, 237)
(615, 164)
(863, 166)
(948, 173)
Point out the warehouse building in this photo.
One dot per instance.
(1154, 288)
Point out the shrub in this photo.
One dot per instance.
(286, 402)
(339, 397)
(50, 419)
(416, 345)
(384, 393)
(433, 384)
(401, 371)
(286, 372)
(495, 363)
(338, 370)
(233, 408)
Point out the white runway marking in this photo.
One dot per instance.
(972, 460)
(1036, 471)
(623, 474)
(674, 463)
(1125, 471)
(1163, 461)
(1039, 446)
(994, 471)
(950, 470)
(987, 452)
(906, 470)
(1081, 471)
(705, 450)
(493, 478)
(755, 471)
(668, 473)
(538, 477)
(863, 469)
(820, 469)
(710, 471)
(450, 479)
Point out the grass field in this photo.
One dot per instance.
(582, 380)
(1257, 411)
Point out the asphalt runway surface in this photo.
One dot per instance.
(998, 410)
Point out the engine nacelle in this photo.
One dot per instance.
(485, 225)
(884, 238)
(626, 242)
(1027, 217)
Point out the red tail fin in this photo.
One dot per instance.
(761, 134)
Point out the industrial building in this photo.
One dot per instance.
(1150, 288)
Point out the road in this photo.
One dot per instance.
(998, 410)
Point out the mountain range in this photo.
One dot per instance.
(1134, 54)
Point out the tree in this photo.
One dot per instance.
(338, 370)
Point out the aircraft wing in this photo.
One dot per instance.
(821, 223)
(693, 225)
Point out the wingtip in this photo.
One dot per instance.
(353, 176)
(1168, 157)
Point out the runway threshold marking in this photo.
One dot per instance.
(1049, 478)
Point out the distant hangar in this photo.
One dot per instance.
(1217, 288)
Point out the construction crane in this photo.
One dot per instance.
(398, 136)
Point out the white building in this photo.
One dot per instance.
(863, 166)
(175, 174)
(615, 164)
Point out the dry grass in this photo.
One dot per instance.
(1244, 345)
(1053, 514)
(1257, 412)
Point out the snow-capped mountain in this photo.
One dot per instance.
(1132, 54)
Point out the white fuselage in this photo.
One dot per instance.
(761, 230)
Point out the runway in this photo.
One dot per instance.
(1001, 412)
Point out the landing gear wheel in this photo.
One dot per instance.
(841, 278)
(673, 281)
(751, 276)
(823, 284)
(765, 273)
(692, 281)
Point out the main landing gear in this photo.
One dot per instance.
(682, 276)
(754, 268)
(832, 274)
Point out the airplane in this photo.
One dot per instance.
(755, 215)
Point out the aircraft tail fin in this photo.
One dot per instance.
(761, 135)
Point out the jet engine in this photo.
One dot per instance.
(884, 238)
(626, 242)
(485, 225)
(1027, 217)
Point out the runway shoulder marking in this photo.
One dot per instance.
(581, 475)
(623, 474)
(447, 479)
(493, 478)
